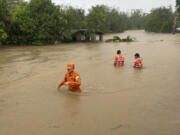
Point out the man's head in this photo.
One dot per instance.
(70, 68)
(137, 55)
(118, 51)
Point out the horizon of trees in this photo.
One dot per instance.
(178, 5)
(27, 23)
(178, 11)
(160, 20)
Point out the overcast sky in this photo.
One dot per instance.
(123, 5)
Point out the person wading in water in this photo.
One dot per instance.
(119, 59)
(72, 79)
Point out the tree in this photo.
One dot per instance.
(46, 21)
(74, 19)
(117, 21)
(137, 19)
(22, 26)
(178, 12)
(3, 10)
(178, 5)
(97, 19)
(3, 34)
(160, 20)
(33, 24)
(3, 21)
(13, 4)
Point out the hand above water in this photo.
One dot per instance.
(66, 83)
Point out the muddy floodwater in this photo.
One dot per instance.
(114, 101)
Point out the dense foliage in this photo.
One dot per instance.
(12, 4)
(178, 5)
(36, 25)
(71, 19)
(3, 21)
(118, 21)
(97, 19)
(178, 13)
(40, 22)
(160, 20)
(137, 19)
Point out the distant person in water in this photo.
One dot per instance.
(72, 79)
(138, 61)
(119, 59)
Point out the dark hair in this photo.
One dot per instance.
(137, 55)
(118, 51)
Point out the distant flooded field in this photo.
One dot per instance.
(114, 101)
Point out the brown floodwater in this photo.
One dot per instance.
(114, 101)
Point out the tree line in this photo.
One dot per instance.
(178, 6)
(160, 20)
(41, 22)
(178, 11)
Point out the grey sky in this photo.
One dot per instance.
(123, 5)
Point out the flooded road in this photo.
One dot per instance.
(114, 101)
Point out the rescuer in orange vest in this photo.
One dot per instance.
(119, 59)
(138, 61)
(72, 79)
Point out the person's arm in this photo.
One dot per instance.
(138, 64)
(62, 82)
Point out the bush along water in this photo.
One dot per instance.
(117, 39)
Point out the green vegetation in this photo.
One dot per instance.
(178, 12)
(97, 19)
(72, 19)
(102, 18)
(36, 25)
(13, 4)
(137, 19)
(117, 39)
(3, 21)
(178, 6)
(40, 22)
(118, 21)
(160, 20)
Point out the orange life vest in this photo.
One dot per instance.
(119, 60)
(138, 63)
(73, 80)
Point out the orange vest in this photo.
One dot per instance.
(73, 80)
(138, 63)
(119, 60)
